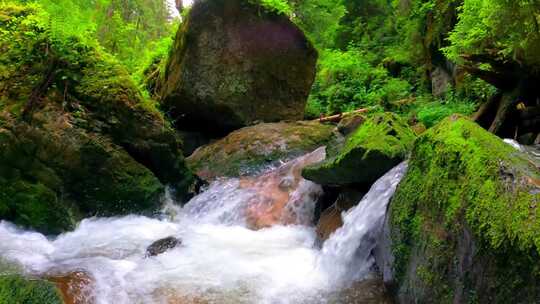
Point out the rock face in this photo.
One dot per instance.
(160, 246)
(331, 219)
(378, 145)
(464, 223)
(350, 123)
(257, 147)
(76, 287)
(282, 196)
(234, 63)
(16, 289)
(76, 136)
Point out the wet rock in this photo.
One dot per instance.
(375, 147)
(76, 287)
(234, 63)
(331, 219)
(160, 246)
(441, 81)
(350, 123)
(370, 291)
(248, 150)
(463, 224)
(282, 196)
(418, 128)
(527, 138)
(192, 141)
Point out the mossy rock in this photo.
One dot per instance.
(15, 289)
(465, 222)
(89, 144)
(251, 149)
(378, 145)
(33, 205)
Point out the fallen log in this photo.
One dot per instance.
(340, 116)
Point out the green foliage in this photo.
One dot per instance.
(276, 6)
(347, 80)
(19, 290)
(320, 20)
(506, 30)
(129, 30)
(430, 110)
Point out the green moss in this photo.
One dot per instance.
(374, 148)
(18, 290)
(462, 178)
(253, 148)
(91, 144)
(33, 205)
(120, 186)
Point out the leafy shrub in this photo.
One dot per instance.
(347, 80)
(430, 110)
(277, 6)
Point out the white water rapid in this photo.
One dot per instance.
(221, 260)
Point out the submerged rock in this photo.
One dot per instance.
(16, 289)
(282, 196)
(464, 224)
(76, 136)
(76, 287)
(370, 291)
(248, 150)
(378, 145)
(331, 219)
(234, 63)
(160, 246)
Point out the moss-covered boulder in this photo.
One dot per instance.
(77, 138)
(465, 220)
(379, 144)
(253, 148)
(235, 62)
(18, 290)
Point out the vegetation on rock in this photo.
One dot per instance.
(464, 219)
(254, 148)
(379, 144)
(75, 132)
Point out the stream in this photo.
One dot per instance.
(244, 240)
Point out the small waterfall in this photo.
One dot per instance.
(244, 241)
(279, 196)
(347, 254)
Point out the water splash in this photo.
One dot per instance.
(347, 255)
(221, 260)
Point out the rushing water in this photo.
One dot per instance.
(223, 257)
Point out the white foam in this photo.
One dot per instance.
(220, 259)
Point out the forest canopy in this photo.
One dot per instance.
(422, 58)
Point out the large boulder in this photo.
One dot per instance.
(234, 63)
(464, 224)
(378, 145)
(251, 149)
(76, 136)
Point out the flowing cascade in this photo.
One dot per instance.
(222, 257)
(347, 255)
(243, 240)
